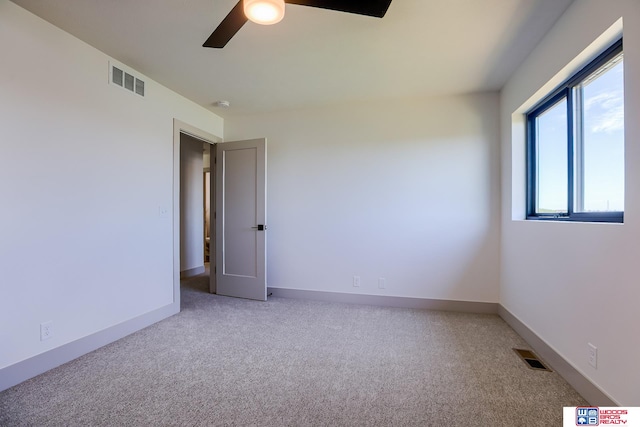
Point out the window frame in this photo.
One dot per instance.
(565, 91)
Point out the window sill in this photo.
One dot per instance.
(603, 217)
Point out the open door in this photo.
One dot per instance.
(240, 219)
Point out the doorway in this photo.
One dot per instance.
(237, 215)
(194, 231)
(183, 131)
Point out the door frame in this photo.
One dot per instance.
(178, 128)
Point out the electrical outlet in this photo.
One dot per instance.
(593, 355)
(46, 330)
(382, 283)
(356, 281)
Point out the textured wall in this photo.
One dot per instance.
(84, 169)
(408, 191)
(575, 283)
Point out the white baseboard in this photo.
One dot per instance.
(36, 365)
(185, 274)
(592, 394)
(387, 301)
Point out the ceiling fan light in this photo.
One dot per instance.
(264, 12)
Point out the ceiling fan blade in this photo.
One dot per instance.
(376, 8)
(227, 28)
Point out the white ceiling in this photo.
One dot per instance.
(314, 56)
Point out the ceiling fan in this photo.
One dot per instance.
(268, 12)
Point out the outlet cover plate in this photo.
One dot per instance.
(46, 330)
(593, 355)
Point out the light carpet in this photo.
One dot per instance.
(232, 362)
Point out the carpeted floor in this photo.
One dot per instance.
(231, 362)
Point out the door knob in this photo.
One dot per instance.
(260, 227)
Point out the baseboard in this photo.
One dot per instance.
(387, 301)
(592, 393)
(185, 274)
(36, 365)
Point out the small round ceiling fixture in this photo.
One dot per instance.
(222, 104)
(264, 12)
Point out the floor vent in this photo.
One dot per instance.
(127, 81)
(532, 361)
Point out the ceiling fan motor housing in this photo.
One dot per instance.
(264, 12)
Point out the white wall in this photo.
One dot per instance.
(84, 168)
(575, 283)
(408, 191)
(191, 204)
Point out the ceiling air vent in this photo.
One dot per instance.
(127, 81)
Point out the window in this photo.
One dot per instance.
(575, 146)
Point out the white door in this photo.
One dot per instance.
(240, 218)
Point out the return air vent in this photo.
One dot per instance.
(532, 361)
(127, 81)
